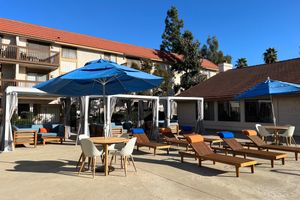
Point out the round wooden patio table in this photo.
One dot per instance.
(105, 141)
(276, 130)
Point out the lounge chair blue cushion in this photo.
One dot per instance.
(226, 134)
(186, 128)
(137, 131)
(40, 135)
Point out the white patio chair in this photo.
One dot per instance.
(126, 152)
(80, 137)
(89, 150)
(288, 135)
(262, 131)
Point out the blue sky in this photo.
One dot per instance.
(244, 28)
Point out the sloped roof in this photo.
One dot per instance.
(226, 85)
(59, 36)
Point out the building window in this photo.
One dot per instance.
(106, 56)
(229, 111)
(70, 53)
(37, 77)
(113, 58)
(258, 111)
(209, 111)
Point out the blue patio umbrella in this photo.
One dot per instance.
(270, 88)
(100, 77)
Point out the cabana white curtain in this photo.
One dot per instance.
(167, 118)
(113, 102)
(154, 130)
(66, 105)
(199, 127)
(140, 113)
(83, 124)
(11, 104)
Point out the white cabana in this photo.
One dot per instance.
(111, 103)
(167, 103)
(10, 105)
(155, 108)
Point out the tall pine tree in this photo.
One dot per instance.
(172, 34)
(190, 64)
(212, 52)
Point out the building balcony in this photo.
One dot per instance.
(13, 54)
(4, 83)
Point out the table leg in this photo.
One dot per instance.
(106, 159)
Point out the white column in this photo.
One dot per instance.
(6, 131)
(168, 111)
(108, 119)
(17, 71)
(157, 112)
(86, 116)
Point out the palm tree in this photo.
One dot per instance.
(241, 62)
(270, 55)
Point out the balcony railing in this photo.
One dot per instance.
(28, 55)
(13, 82)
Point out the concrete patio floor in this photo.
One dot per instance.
(48, 172)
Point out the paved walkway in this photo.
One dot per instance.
(48, 172)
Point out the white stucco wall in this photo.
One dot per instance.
(84, 56)
(66, 66)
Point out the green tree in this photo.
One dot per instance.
(241, 62)
(190, 64)
(172, 34)
(270, 55)
(164, 88)
(211, 51)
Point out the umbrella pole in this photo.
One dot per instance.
(273, 112)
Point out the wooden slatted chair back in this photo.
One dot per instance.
(141, 138)
(198, 144)
(233, 143)
(201, 148)
(256, 140)
(167, 132)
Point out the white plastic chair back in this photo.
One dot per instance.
(262, 130)
(289, 132)
(82, 136)
(256, 126)
(88, 148)
(128, 149)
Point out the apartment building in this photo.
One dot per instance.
(30, 54)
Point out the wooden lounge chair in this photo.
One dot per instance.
(260, 144)
(170, 138)
(204, 152)
(237, 149)
(143, 141)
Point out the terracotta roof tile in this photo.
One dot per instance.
(54, 35)
(233, 82)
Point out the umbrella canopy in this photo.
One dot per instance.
(269, 88)
(100, 77)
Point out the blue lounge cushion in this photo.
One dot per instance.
(226, 134)
(47, 134)
(187, 128)
(137, 131)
